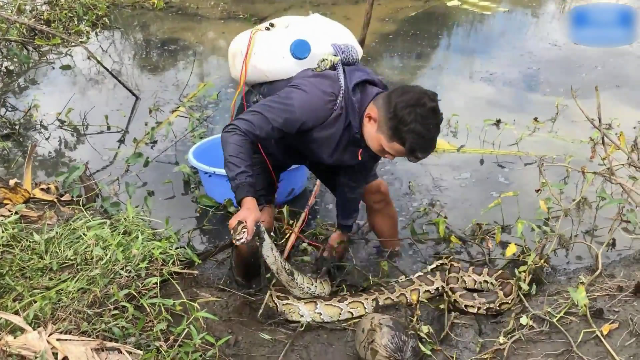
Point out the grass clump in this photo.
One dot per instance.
(101, 278)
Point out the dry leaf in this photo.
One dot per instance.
(13, 182)
(543, 206)
(5, 212)
(40, 194)
(16, 320)
(29, 213)
(48, 192)
(511, 249)
(32, 342)
(14, 195)
(51, 218)
(608, 327)
(65, 209)
(66, 197)
(26, 180)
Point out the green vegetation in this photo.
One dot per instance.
(101, 277)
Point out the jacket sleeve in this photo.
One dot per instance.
(305, 103)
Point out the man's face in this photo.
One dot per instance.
(375, 139)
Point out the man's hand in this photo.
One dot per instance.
(337, 245)
(249, 212)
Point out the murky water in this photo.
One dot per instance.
(510, 65)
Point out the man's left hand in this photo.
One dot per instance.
(337, 245)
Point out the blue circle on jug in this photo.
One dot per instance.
(300, 49)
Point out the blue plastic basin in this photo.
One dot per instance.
(207, 157)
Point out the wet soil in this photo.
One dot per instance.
(614, 298)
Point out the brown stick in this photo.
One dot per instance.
(296, 229)
(55, 33)
(365, 23)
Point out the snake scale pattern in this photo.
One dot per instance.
(311, 301)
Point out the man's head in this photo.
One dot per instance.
(403, 122)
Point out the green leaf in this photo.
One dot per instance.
(384, 266)
(412, 231)
(223, 340)
(210, 338)
(206, 315)
(441, 222)
(116, 332)
(230, 207)
(524, 320)
(65, 67)
(206, 200)
(130, 188)
(519, 227)
(135, 158)
(579, 296)
(497, 202)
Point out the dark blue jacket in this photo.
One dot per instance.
(295, 124)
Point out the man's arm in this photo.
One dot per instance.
(305, 103)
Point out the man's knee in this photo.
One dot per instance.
(376, 194)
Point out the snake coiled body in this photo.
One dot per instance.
(310, 300)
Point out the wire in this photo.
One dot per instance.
(241, 87)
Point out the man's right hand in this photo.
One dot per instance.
(249, 213)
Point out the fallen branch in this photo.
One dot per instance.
(89, 52)
(301, 220)
(595, 328)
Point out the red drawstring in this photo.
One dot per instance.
(244, 100)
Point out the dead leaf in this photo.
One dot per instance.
(14, 195)
(29, 213)
(41, 193)
(51, 218)
(16, 320)
(511, 249)
(26, 180)
(65, 209)
(608, 327)
(70, 347)
(66, 197)
(5, 212)
(13, 182)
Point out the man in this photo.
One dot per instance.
(339, 133)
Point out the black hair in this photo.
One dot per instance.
(411, 117)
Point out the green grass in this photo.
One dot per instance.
(100, 277)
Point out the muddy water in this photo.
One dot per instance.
(510, 65)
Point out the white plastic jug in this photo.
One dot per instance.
(290, 45)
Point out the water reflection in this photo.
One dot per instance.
(512, 66)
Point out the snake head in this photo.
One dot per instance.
(240, 231)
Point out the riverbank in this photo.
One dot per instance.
(499, 85)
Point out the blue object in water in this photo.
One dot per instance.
(300, 49)
(207, 157)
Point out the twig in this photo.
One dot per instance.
(575, 349)
(301, 220)
(593, 123)
(53, 32)
(365, 24)
(595, 328)
(290, 341)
